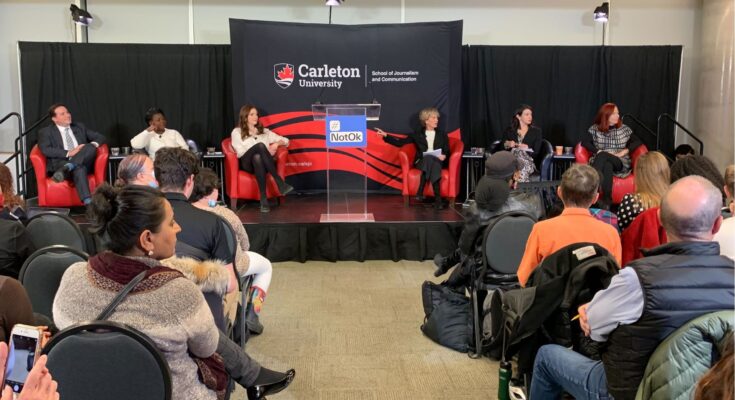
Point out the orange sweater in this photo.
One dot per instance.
(574, 225)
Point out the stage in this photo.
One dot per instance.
(292, 231)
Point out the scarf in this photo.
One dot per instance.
(117, 271)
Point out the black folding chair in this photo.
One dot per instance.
(52, 228)
(41, 274)
(503, 245)
(107, 360)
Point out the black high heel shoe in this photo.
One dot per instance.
(258, 392)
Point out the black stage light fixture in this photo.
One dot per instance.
(602, 12)
(80, 16)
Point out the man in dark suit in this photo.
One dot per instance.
(70, 149)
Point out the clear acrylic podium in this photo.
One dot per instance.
(346, 140)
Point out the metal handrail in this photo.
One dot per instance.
(20, 162)
(670, 118)
(644, 126)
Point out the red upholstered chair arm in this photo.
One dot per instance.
(38, 160)
(100, 164)
(405, 158)
(281, 160)
(231, 167)
(639, 151)
(581, 155)
(455, 163)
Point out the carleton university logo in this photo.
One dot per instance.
(283, 74)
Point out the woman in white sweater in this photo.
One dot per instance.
(157, 135)
(255, 147)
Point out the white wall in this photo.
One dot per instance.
(499, 22)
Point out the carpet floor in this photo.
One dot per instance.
(351, 331)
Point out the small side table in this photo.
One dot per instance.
(560, 164)
(473, 164)
(112, 163)
(216, 162)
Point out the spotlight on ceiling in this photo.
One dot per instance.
(333, 3)
(602, 12)
(79, 16)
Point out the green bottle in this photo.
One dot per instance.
(505, 372)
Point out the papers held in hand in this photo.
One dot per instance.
(436, 153)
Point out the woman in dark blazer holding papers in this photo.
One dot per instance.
(523, 140)
(428, 138)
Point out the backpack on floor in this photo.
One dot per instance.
(492, 318)
(448, 318)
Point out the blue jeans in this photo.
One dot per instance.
(558, 369)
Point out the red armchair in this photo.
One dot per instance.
(621, 186)
(64, 194)
(242, 185)
(449, 185)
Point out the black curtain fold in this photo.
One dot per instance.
(566, 85)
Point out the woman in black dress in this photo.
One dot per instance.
(428, 138)
(523, 140)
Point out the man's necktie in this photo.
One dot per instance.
(68, 139)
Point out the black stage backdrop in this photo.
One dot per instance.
(110, 86)
(566, 85)
(282, 68)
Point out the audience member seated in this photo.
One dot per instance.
(610, 143)
(645, 232)
(652, 177)
(70, 150)
(167, 308)
(605, 216)
(524, 141)
(15, 307)
(255, 147)
(578, 190)
(493, 197)
(40, 385)
(136, 169)
(726, 235)
(698, 165)
(683, 150)
(428, 138)
(647, 301)
(204, 196)
(11, 205)
(718, 383)
(156, 135)
(15, 247)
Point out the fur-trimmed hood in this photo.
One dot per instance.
(209, 275)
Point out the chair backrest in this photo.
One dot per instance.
(52, 228)
(230, 236)
(544, 159)
(41, 274)
(505, 241)
(105, 360)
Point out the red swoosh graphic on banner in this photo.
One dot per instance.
(307, 151)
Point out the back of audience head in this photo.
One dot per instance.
(652, 178)
(579, 186)
(11, 200)
(697, 165)
(175, 168)
(729, 183)
(128, 215)
(136, 169)
(683, 150)
(205, 183)
(690, 210)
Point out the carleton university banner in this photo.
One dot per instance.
(284, 68)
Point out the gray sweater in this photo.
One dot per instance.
(175, 316)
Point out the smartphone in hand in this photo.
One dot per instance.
(24, 349)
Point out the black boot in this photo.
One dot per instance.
(437, 196)
(264, 207)
(444, 264)
(269, 382)
(420, 191)
(283, 187)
